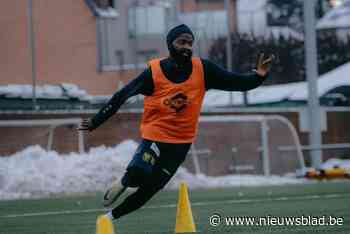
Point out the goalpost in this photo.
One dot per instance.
(263, 121)
(52, 124)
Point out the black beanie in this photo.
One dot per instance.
(177, 31)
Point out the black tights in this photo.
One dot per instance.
(149, 183)
(143, 194)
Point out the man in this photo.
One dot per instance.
(174, 89)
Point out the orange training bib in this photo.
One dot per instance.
(171, 113)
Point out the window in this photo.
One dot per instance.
(103, 8)
(104, 4)
(106, 13)
(146, 20)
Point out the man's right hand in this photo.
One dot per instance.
(85, 125)
(264, 64)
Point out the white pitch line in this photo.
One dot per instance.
(307, 197)
(241, 201)
(53, 213)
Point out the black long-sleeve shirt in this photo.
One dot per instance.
(215, 77)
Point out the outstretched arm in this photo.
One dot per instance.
(217, 77)
(143, 84)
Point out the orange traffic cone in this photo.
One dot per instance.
(104, 225)
(184, 217)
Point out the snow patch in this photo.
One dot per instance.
(34, 173)
(335, 162)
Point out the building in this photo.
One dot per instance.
(95, 44)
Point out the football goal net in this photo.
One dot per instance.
(48, 133)
(245, 144)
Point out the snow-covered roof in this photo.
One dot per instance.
(61, 91)
(338, 17)
(297, 91)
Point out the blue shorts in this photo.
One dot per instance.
(154, 162)
(145, 157)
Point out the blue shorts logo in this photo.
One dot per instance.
(147, 157)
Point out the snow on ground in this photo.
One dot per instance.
(35, 172)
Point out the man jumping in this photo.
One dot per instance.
(174, 88)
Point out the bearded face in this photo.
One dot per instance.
(181, 48)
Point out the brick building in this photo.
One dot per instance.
(94, 44)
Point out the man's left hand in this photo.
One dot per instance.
(264, 64)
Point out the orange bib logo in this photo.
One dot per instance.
(177, 102)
